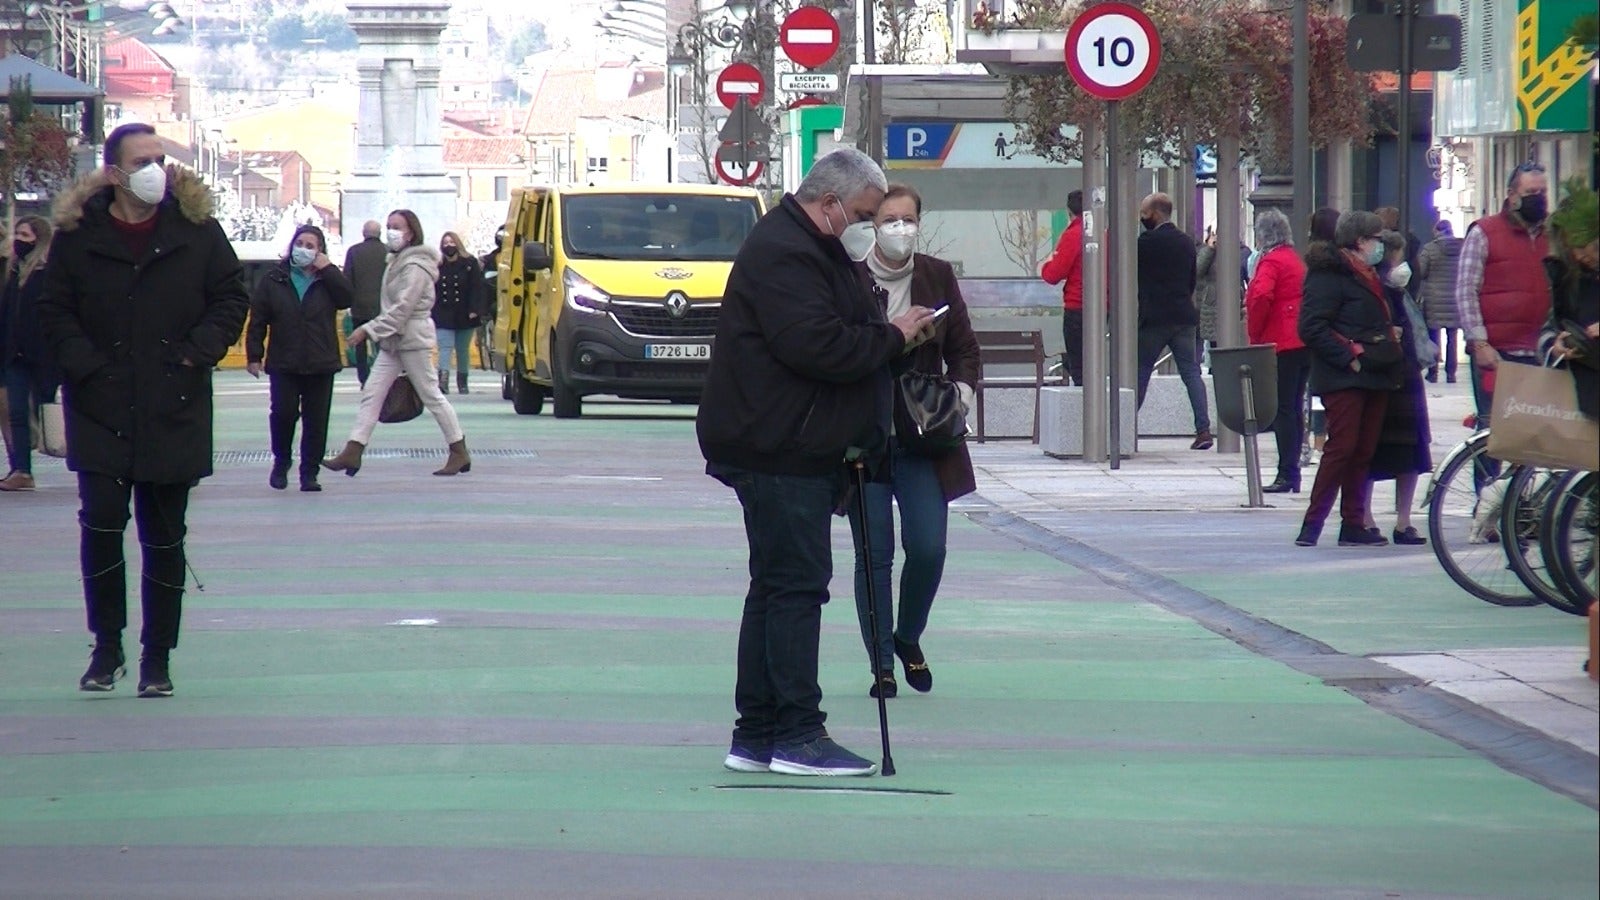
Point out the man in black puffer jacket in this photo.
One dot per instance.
(143, 298)
(799, 377)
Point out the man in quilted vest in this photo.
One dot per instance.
(1500, 296)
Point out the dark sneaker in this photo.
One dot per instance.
(918, 674)
(1203, 441)
(819, 757)
(747, 758)
(885, 685)
(1361, 537)
(153, 678)
(106, 665)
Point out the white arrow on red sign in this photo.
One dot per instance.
(740, 80)
(809, 36)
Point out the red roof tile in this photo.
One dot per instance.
(565, 96)
(131, 56)
(483, 151)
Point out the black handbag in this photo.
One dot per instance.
(928, 420)
(1380, 351)
(401, 404)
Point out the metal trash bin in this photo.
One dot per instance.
(1229, 367)
(1246, 382)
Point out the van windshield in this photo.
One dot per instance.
(681, 227)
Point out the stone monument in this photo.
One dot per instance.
(399, 151)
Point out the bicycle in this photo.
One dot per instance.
(1530, 491)
(1465, 502)
(1569, 525)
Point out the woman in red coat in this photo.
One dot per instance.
(1272, 308)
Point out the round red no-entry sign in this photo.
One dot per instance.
(1113, 50)
(809, 36)
(740, 80)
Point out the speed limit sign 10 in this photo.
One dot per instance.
(1113, 50)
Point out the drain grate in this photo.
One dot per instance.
(256, 457)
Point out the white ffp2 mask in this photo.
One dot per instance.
(898, 240)
(149, 183)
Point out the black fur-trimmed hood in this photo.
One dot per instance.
(1323, 256)
(185, 189)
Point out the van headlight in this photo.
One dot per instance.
(584, 296)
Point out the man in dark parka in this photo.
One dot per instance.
(144, 298)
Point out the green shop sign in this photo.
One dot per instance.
(1552, 73)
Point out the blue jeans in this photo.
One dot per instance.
(1181, 339)
(787, 521)
(924, 525)
(457, 342)
(25, 389)
(1488, 469)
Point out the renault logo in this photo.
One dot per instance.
(677, 304)
(673, 273)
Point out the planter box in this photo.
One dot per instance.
(1017, 39)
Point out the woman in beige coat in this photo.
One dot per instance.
(405, 333)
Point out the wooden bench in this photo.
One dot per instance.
(1010, 348)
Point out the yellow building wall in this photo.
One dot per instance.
(324, 133)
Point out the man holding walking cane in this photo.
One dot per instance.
(799, 377)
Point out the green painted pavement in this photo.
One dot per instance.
(1076, 729)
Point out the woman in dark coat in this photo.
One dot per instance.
(921, 486)
(29, 376)
(1403, 441)
(1344, 320)
(458, 308)
(294, 328)
(1574, 272)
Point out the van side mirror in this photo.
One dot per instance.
(535, 257)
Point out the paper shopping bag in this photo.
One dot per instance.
(1535, 420)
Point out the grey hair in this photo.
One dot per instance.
(844, 173)
(1392, 241)
(1272, 230)
(1355, 225)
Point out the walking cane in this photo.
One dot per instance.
(860, 469)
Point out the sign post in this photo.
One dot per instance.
(744, 136)
(1112, 52)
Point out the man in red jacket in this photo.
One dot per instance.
(1065, 267)
(1502, 294)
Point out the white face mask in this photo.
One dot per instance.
(302, 256)
(394, 239)
(898, 240)
(1400, 275)
(149, 184)
(858, 238)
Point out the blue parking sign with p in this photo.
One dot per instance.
(920, 141)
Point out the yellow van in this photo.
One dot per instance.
(613, 289)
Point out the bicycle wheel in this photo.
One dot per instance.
(1464, 526)
(1570, 523)
(1529, 490)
